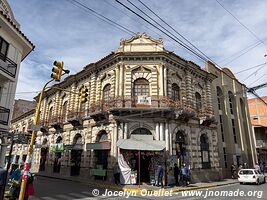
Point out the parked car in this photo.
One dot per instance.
(250, 176)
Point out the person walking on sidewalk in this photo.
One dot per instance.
(184, 175)
(233, 171)
(159, 175)
(116, 173)
(176, 172)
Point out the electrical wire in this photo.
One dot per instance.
(256, 66)
(174, 29)
(161, 26)
(174, 39)
(251, 32)
(254, 73)
(102, 17)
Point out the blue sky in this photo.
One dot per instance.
(63, 31)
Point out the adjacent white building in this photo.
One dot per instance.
(14, 48)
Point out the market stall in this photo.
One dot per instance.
(138, 157)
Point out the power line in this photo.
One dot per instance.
(249, 48)
(258, 79)
(174, 29)
(161, 26)
(102, 17)
(252, 33)
(254, 73)
(177, 41)
(250, 68)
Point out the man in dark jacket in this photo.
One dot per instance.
(176, 172)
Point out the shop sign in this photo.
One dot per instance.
(144, 100)
(59, 147)
(74, 147)
(99, 146)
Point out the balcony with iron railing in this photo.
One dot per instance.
(75, 117)
(7, 66)
(57, 122)
(4, 115)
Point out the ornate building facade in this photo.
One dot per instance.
(141, 97)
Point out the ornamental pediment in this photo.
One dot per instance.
(141, 42)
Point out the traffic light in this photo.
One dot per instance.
(57, 70)
(84, 94)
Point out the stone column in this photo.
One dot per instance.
(208, 97)
(161, 70)
(161, 133)
(165, 92)
(121, 130)
(188, 83)
(3, 155)
(72, 98)
(125, 133)
(171, 144)
(117, 72)
(115, 137)
(121, 92)
(167, 140)
(157, 131)
(92, 90)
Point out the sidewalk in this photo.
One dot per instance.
(138, 189)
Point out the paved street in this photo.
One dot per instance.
(52, 189)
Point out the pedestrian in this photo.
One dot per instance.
(233, 171)
(257, 167)
(262, 168)
(116, 173)
(29, 191)
(159, 175)
(15, 182)
(245, 165)
(2, 181)
(176, 172)
(240, 167)
(184, 173)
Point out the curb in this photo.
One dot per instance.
(138, 190)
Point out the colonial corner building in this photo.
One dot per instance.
(14, 48)
(147, 102)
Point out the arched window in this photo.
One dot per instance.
(106, 92)
(50, 115)
(141, 131)
(141, 87)
(175, 92)
(198, 101)
(64, 111)
(102, 136)
(204, 147)
(77, 139)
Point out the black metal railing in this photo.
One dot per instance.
(7, 65)
(4, 115)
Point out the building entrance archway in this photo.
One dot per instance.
(76, 155)
(180, 146)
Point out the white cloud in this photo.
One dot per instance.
(64, 32)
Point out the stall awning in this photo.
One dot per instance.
(141, 142)
(106, 145)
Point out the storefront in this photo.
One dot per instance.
(139, 158)
(101, 151)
